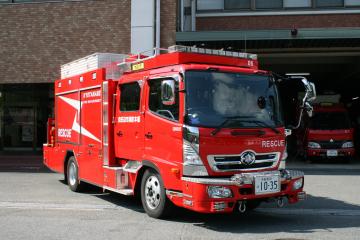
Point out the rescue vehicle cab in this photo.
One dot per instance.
(199, 128)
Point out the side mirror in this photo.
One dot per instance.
(310, 95)
(168, 92)
(310, 91)
(288, 131)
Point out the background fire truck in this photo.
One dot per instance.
(196, 128)
(329, 133)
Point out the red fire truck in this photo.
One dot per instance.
(196, 128)
(329, 133)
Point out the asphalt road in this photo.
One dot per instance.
(36, 204)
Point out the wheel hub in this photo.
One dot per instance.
(152, 192)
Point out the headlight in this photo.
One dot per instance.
(283, 158)
(219, 192)
(348, 145)
(313, 145)
(298, 184)
(192, 163)
(191, 157)
(284, 155)
(282, 164)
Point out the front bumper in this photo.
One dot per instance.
(196, 197)
(343, 152)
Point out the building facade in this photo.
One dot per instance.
(316, 36)
(320, 37)
(37, 37)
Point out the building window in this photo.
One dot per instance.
(297, 3)
(237, 4)
(350, 3)
(329, 3)
(266, 4)
(261, 5)
(130, 97)
(210, 4)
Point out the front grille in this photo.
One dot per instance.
(331, 145)
(233, 162)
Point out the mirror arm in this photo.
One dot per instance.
(303, 105)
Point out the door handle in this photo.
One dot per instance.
(119, 133)
(148, 135)
(91, 145)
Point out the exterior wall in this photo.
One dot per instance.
(168, 18)
(36, 38)
(276, 22)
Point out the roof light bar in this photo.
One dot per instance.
(180, 48)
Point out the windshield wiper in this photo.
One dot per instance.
(242, 119)
(225, 122)
(262, 124)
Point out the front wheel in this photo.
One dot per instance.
(153, 197)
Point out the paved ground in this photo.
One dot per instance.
(36, 204)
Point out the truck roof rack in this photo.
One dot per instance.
(117, 64)
(141, 56)
(132, 60)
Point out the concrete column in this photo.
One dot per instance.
(142, 25)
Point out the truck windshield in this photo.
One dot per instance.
(247, 100)
(330, 121)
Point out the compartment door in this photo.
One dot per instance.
(90, 128)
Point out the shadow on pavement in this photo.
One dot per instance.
(130, 202)
(319, 213)
(268, 219)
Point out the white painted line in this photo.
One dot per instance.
(59, 206)
(102, 207)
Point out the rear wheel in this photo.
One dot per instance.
(73, 175)
(153, 197)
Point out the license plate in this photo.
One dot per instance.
(331, 153)
(267, 184)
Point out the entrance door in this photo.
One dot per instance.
(19, 128)
(129, 128)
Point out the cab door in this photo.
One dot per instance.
(163, 127)
(129, 128)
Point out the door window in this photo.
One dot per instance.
(170, 112)
(130, 97)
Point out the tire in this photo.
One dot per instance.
(73, 175)
(153, 197)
